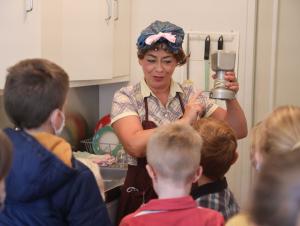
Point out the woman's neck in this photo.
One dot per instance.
(162, 94)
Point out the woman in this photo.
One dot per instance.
(137, 110)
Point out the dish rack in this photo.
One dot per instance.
(105, 147)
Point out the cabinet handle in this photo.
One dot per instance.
(116, 9)
(108, 2)
(29, 6)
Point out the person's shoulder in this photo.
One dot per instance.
(128, 220)
(186, 87)
(128, 90)
(241, 219)
(80, 167)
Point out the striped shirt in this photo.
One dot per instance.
(216, 196)
(129, 101)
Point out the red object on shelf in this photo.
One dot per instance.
(105, 120)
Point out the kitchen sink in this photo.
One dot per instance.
(113, 176)
(113, 172)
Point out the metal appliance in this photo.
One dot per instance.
(221, 62)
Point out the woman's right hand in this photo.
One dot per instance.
(192, 109)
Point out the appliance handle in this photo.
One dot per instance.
(108, 2)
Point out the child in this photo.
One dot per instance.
(279, 133)
(218, 153)
(46, 185)
(173, 164)
(5, 164)
(275, 201)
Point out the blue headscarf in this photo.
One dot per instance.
(162, 27)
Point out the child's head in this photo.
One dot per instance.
(173, 152)
(281, 130)
(5, 163)
(278, 133)
(162, 35)
(34, 89)
(276, 197)
(256, 139)
(218, 152)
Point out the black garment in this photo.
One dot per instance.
(138, 187)
(216, 196)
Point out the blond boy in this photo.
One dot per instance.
(173, 164)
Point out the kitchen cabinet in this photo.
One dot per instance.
(20, 34)
(90, 39)
(122, 37)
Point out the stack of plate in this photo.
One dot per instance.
(105, 141)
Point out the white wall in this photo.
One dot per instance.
(277, 76)
(209, 16)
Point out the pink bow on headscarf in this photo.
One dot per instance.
(155, 38)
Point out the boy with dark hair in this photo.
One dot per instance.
(217, 155)
(46, 185)
(173, 165)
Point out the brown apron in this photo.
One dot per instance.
(137, 188)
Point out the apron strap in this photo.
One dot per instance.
(180, 101)
(146, 108)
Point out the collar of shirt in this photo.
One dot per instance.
(213, 187)
(186, 202)
(146, 91)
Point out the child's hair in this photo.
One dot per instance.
(174, 152)
(5, 155)
(33, 89)
(256, 139)
(276, 197)
(219, 147)
(281, 131)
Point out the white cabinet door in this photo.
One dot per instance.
(87, 39)
(20, 34)
(122, 34)
(77, 36)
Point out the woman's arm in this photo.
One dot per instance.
(134, 138)
(132, 135)
(234, 114)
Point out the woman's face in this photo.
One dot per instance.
(158, 67)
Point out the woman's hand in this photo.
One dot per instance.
(231, 81)
(192, 109)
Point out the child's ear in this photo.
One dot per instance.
(198, 174)
(54, 117)
(151, 172)
(235, 157)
